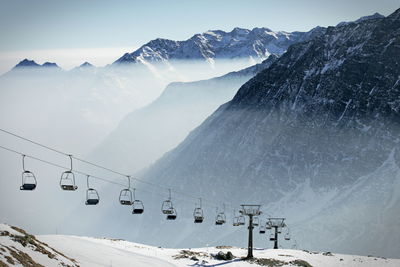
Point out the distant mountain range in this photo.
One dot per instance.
(239, 43)
(26, 63)
(257, 43)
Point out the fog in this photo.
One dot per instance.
(74, 111)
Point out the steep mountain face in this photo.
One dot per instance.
(146, 134)
(258, 43)
(308, 134)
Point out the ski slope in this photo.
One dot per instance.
(62, 250)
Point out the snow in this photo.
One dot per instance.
(87, 251)
(105, 252)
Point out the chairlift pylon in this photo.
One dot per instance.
(198, 214)
(167, 207)
(125, 196)
(92, 196)
(67, 181)
(138, 207)
(29, 182)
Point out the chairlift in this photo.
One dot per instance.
(167, 207)
(241, 220)
(235, 221)
(262, 229)
(172, 215)
(198, 214)
(92, 196)
(67, 181)
(138, 207)
(125, 196)
(221, 218)
(271, 237)
(256, 221)
(28, 178)
(287, 236)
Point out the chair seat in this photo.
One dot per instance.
(28, 187)
(92, 202)
(171, 217)
(137, 211)
(126, 202)
(69, 187)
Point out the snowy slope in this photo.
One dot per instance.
(106, 252)
(18, 248)
(62, 250)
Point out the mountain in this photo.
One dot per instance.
(86, 65)
(373, 16)
(309, 137)
(26, 63)
(257, 43)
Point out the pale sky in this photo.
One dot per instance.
(71, 32)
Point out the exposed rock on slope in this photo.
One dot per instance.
(20, 248)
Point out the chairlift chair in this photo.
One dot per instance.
(167, 207)
(235, 221)
(67, 181)
(256, 221)
(92, 196)
(138, 207)
(198, 213)
(172, 215)
(28, 181)
(287, 236)
(271, 237)
(241, 220)
(28, 178)
(125, 196)
(262, 229)
(220, 219)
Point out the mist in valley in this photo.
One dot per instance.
(74, 111)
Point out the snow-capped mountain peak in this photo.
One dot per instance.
(239, 43)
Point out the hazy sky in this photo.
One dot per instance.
(70, 32)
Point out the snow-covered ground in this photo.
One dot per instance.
(61, 250)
